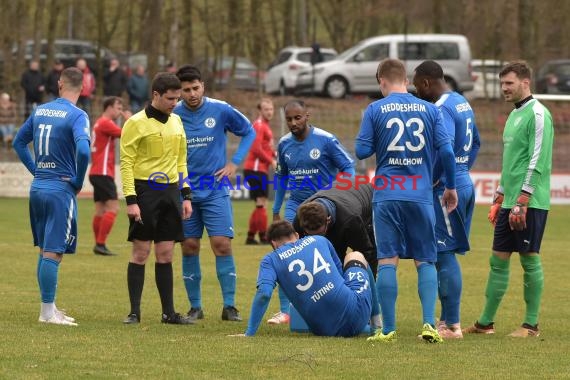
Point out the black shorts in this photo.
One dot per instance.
(527, 240)
(161, 213)
(257, 182)
(104, 188)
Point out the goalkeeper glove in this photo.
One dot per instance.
(495, 208)
(517, 217)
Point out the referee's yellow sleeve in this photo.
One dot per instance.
(182, 165)
(129, 144)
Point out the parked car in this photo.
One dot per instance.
(553, 77)
(281, 77)
(354, 71)
(68, 52)
(487, 82)
(246, 75)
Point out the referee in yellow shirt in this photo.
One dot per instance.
(153, 156)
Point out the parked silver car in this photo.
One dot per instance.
(354, 71)
(281, 77)
(487, 82)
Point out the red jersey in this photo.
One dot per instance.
(105, 132)
(262, 151)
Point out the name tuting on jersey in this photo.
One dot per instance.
(403, 107)
(296, 248)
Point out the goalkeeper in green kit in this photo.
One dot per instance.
(521, 202)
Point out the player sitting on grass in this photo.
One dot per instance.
(332, 301)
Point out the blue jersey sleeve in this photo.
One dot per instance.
(24, 136)
(441, 136)
(447, 158)
(364, 146)
(81, 128)
(334, 256)
(475, 147)
(82, 157)
(266, 281)
(342, 160)
(239, 125)
(281, 178)
(243, 147)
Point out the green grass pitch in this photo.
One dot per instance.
(93, 289)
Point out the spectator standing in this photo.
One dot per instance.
(88, 90)
(137, 87)
(261, 157)
(52, 78)
(114, 79)
(60, 135)
(33, 83)
(7, 119)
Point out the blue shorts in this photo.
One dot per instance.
(291, 209)
(53, 216)
(452, 230)
(213, 213)
(404, 229)
(527, 240)
(358, 302)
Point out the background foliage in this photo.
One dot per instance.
(184, 30)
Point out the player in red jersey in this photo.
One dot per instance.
(102, 173)
(261, 156)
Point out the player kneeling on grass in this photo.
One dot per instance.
(332, 302)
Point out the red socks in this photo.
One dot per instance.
(96, 225)
(258, 220)
(105, 225)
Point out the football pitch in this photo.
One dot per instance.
(93, 289)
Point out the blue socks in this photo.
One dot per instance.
(375, 305)
(226, 271)
(427, 290)
(387, 289)
(40, 258)
(48, 279)
(192, 276)
(450, 286)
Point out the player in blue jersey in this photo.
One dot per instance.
(309, 159)
(451, 229)
(405, 133)
(206, 122)
(332, 300)
(60, 135)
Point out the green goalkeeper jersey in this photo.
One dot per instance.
(527, 155)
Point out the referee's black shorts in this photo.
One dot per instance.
(257, 183)
(525, 241)
(104, 188)
(161, 214)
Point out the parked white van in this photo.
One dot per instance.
(354, 71)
